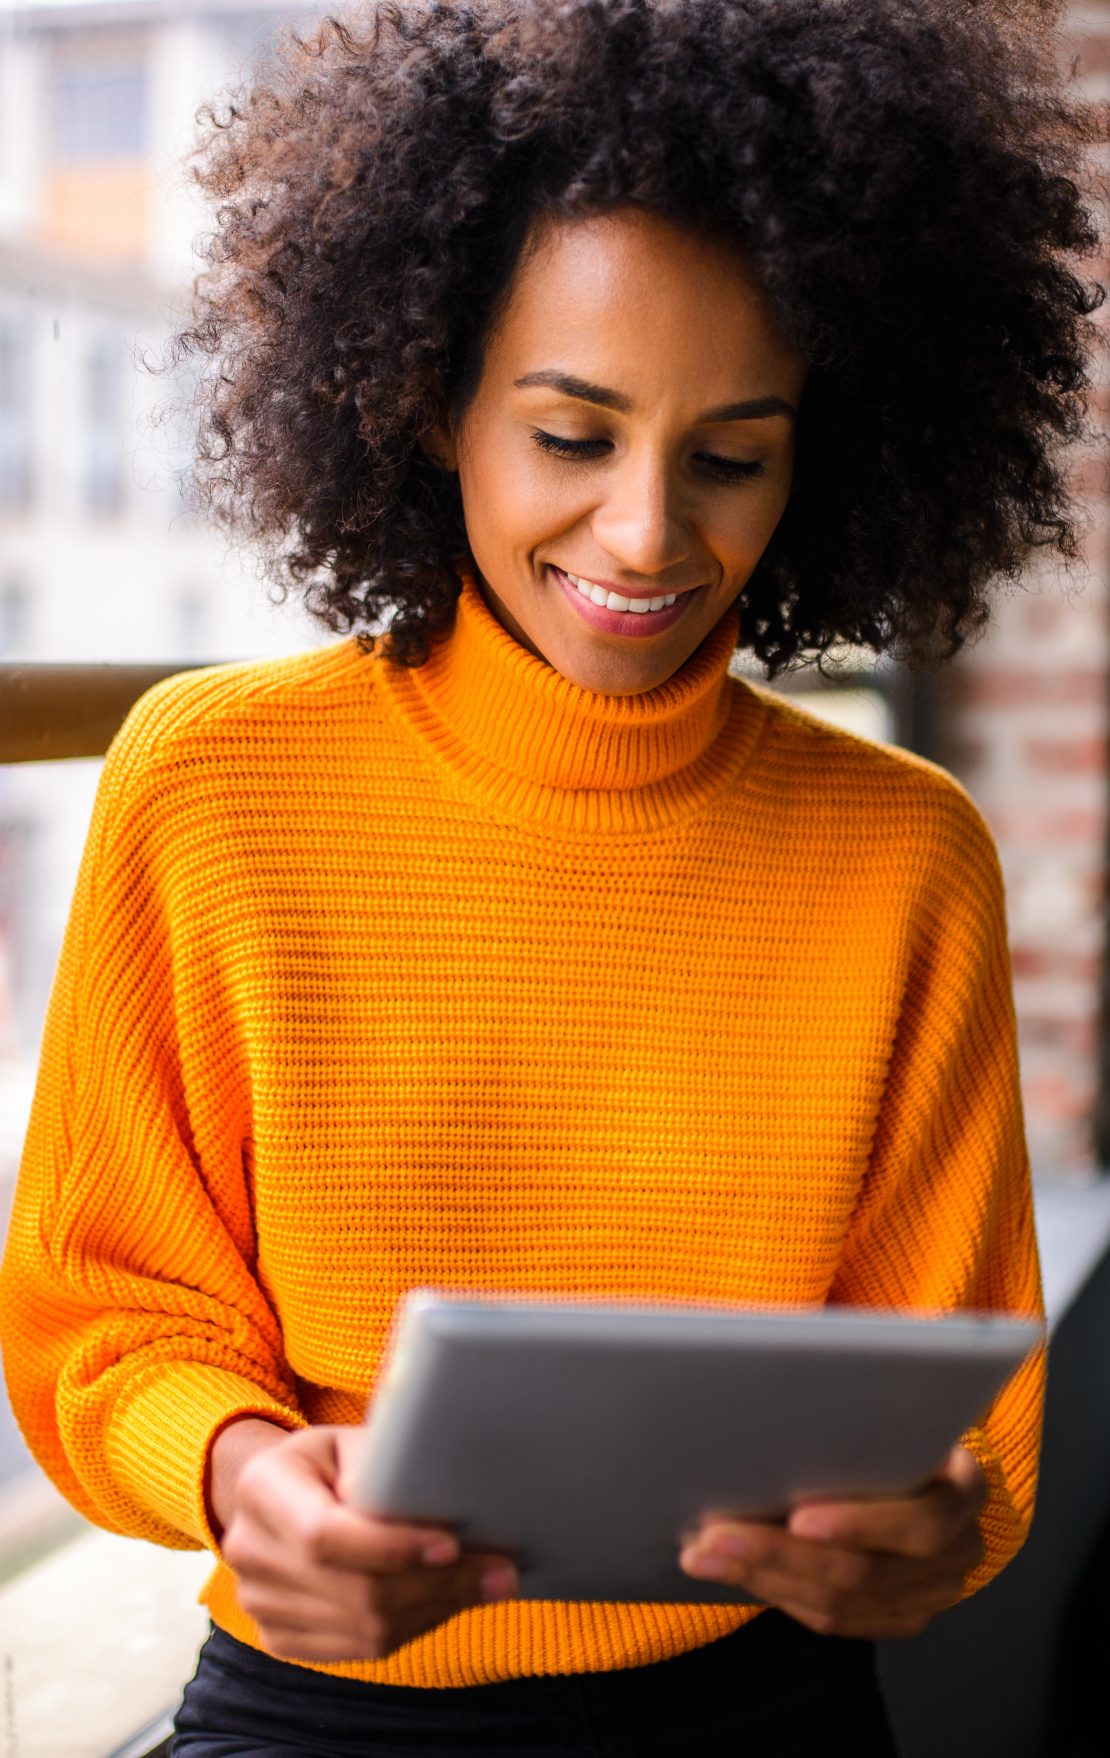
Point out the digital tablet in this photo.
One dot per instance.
(586, 1440)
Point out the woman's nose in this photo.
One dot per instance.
(642, 522)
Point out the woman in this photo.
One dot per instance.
(510, 943)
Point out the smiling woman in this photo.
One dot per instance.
(511, 944)
(590, 501)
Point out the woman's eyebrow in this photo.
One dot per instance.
(754, 409)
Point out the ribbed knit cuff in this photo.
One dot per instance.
(160, 1437)
(1001, 1527)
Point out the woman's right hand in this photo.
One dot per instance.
(324, 1581)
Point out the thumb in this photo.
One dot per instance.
(316, 1455)
(963, 1471)
(347, 1444)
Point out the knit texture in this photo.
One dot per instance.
(466, 977)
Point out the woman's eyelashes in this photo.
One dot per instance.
(585, 451)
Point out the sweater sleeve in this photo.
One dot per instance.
(945, 1218)
(132, 1323)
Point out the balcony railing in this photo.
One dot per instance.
(49, 711)
(54, 711)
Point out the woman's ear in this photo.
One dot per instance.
(437, 442)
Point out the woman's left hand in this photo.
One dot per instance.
(872, 1569)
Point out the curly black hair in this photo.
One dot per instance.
(906, 178)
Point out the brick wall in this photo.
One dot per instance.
(1023, 721)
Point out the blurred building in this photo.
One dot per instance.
(99, 558)
(1023, 721)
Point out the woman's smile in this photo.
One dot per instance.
(614, 614)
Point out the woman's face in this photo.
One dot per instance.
(632, 434)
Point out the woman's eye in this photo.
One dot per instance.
(728, 469)
(566, 448)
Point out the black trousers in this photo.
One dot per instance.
(769, 1690)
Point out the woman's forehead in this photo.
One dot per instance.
(631, 295)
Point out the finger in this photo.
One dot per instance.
(290, 1491)
(872, 1626)
(777, 1567)
(262, 1566)
(923, 1525)
(856, 1594)
(348, 1538)
(965, 1471)
(888, 1590)
(479, 1579)
(273, 1606)
(348, 1441)
(388, 1547)
(311, 1529)
(373, 1634)
(315, 1627)
(748, 1553)
(290, 1642)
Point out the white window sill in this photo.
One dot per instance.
(98, 1640)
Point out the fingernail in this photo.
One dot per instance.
(807, 1523)
(703, 1565)
(441, 1550)
(499, 1583)
(709, 1565)
(736, 1548)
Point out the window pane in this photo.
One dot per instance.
(15, 406)
(103, 468)
(98, 112)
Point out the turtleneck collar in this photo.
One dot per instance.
(513, 728)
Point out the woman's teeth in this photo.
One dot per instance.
(613, 600)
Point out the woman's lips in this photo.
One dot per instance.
(623, 622)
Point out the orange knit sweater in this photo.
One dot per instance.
(466, 977)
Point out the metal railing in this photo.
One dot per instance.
(56, 711)
(48, 712)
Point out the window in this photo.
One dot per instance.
(15, 618)
(15, 408)
(190, 623)
(102, 469)
(16, 836)
(98, 111)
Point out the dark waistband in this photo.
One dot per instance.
(770, 1647)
